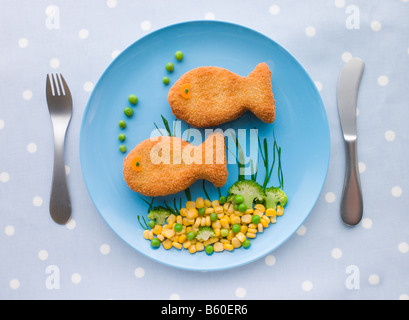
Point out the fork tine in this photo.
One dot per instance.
(48, 90)
(66, 89)
(56, 88)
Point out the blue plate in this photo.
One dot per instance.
(301, 129)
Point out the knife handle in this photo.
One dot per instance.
(351, 202)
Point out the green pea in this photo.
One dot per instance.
(246, 243)
(201, 211)
(151, 224)
(165, 80)
(122, 148)
(209, 249)
(255, 219)
(169, 66)
(222, 200)
(179, 55)
(133, 99)
(121, 137)
(122, 124)
(178, 227)
(238, 199)
(213, 216)
(236, 228)
(155, 243)
(190, 235)
(242, 207)
(224, 232)
(236, 206)
(128, 111)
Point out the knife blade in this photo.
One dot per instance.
(347, 98)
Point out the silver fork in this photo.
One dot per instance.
(60, 108)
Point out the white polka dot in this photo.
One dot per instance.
(71, 224)
(366, 223)
(115, 53)
(383, 81)
(339, 3)
(330, 197)
(389, 135)
(396, 191)
(270, 260)
(37, 201)
(4, 177)
(318, 85)
(14, 284)
(346, 56)
(139, 272)
(274, 9)
(361, 167)
(43, 255)
(403, 247)
(301, 230)
(54, 63)
(2, 124)
(210, 16)
(404, 296)
(146, 25)
(310, 31)
(67, 170)
(336, 253)
(111, 3)
(27, 94)
(174, 296)
(373, 279)
(9, 230)
(376, 25)
(105, 249)
(32, 147)
(23, 43)
(307, 285)
(240, 292)
(83, 33)
(88, 86)
(76, 278)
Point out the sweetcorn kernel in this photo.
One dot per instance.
(167, 244)
(260, 207)
(280, 211)
(251, 235)
(218, 209)
(177, 245)
(218, 247)
(207, 203)
(246, 218)
(236, 242)
(192, 249)
(228, 247)
(190, 204)
(215, 203)
(157, 229)
(199, 246)
(183, 212)
(199, 203)
(271, 212)
(192, 213)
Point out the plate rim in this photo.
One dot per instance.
(263, 253)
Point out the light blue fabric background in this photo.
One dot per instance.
(323, 260)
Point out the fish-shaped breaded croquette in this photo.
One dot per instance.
(165, 165)
(210, 96)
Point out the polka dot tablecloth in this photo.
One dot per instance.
(84, 259)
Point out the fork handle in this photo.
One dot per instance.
(351, 202)
(60, 202)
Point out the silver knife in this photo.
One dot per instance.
(347, 96)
